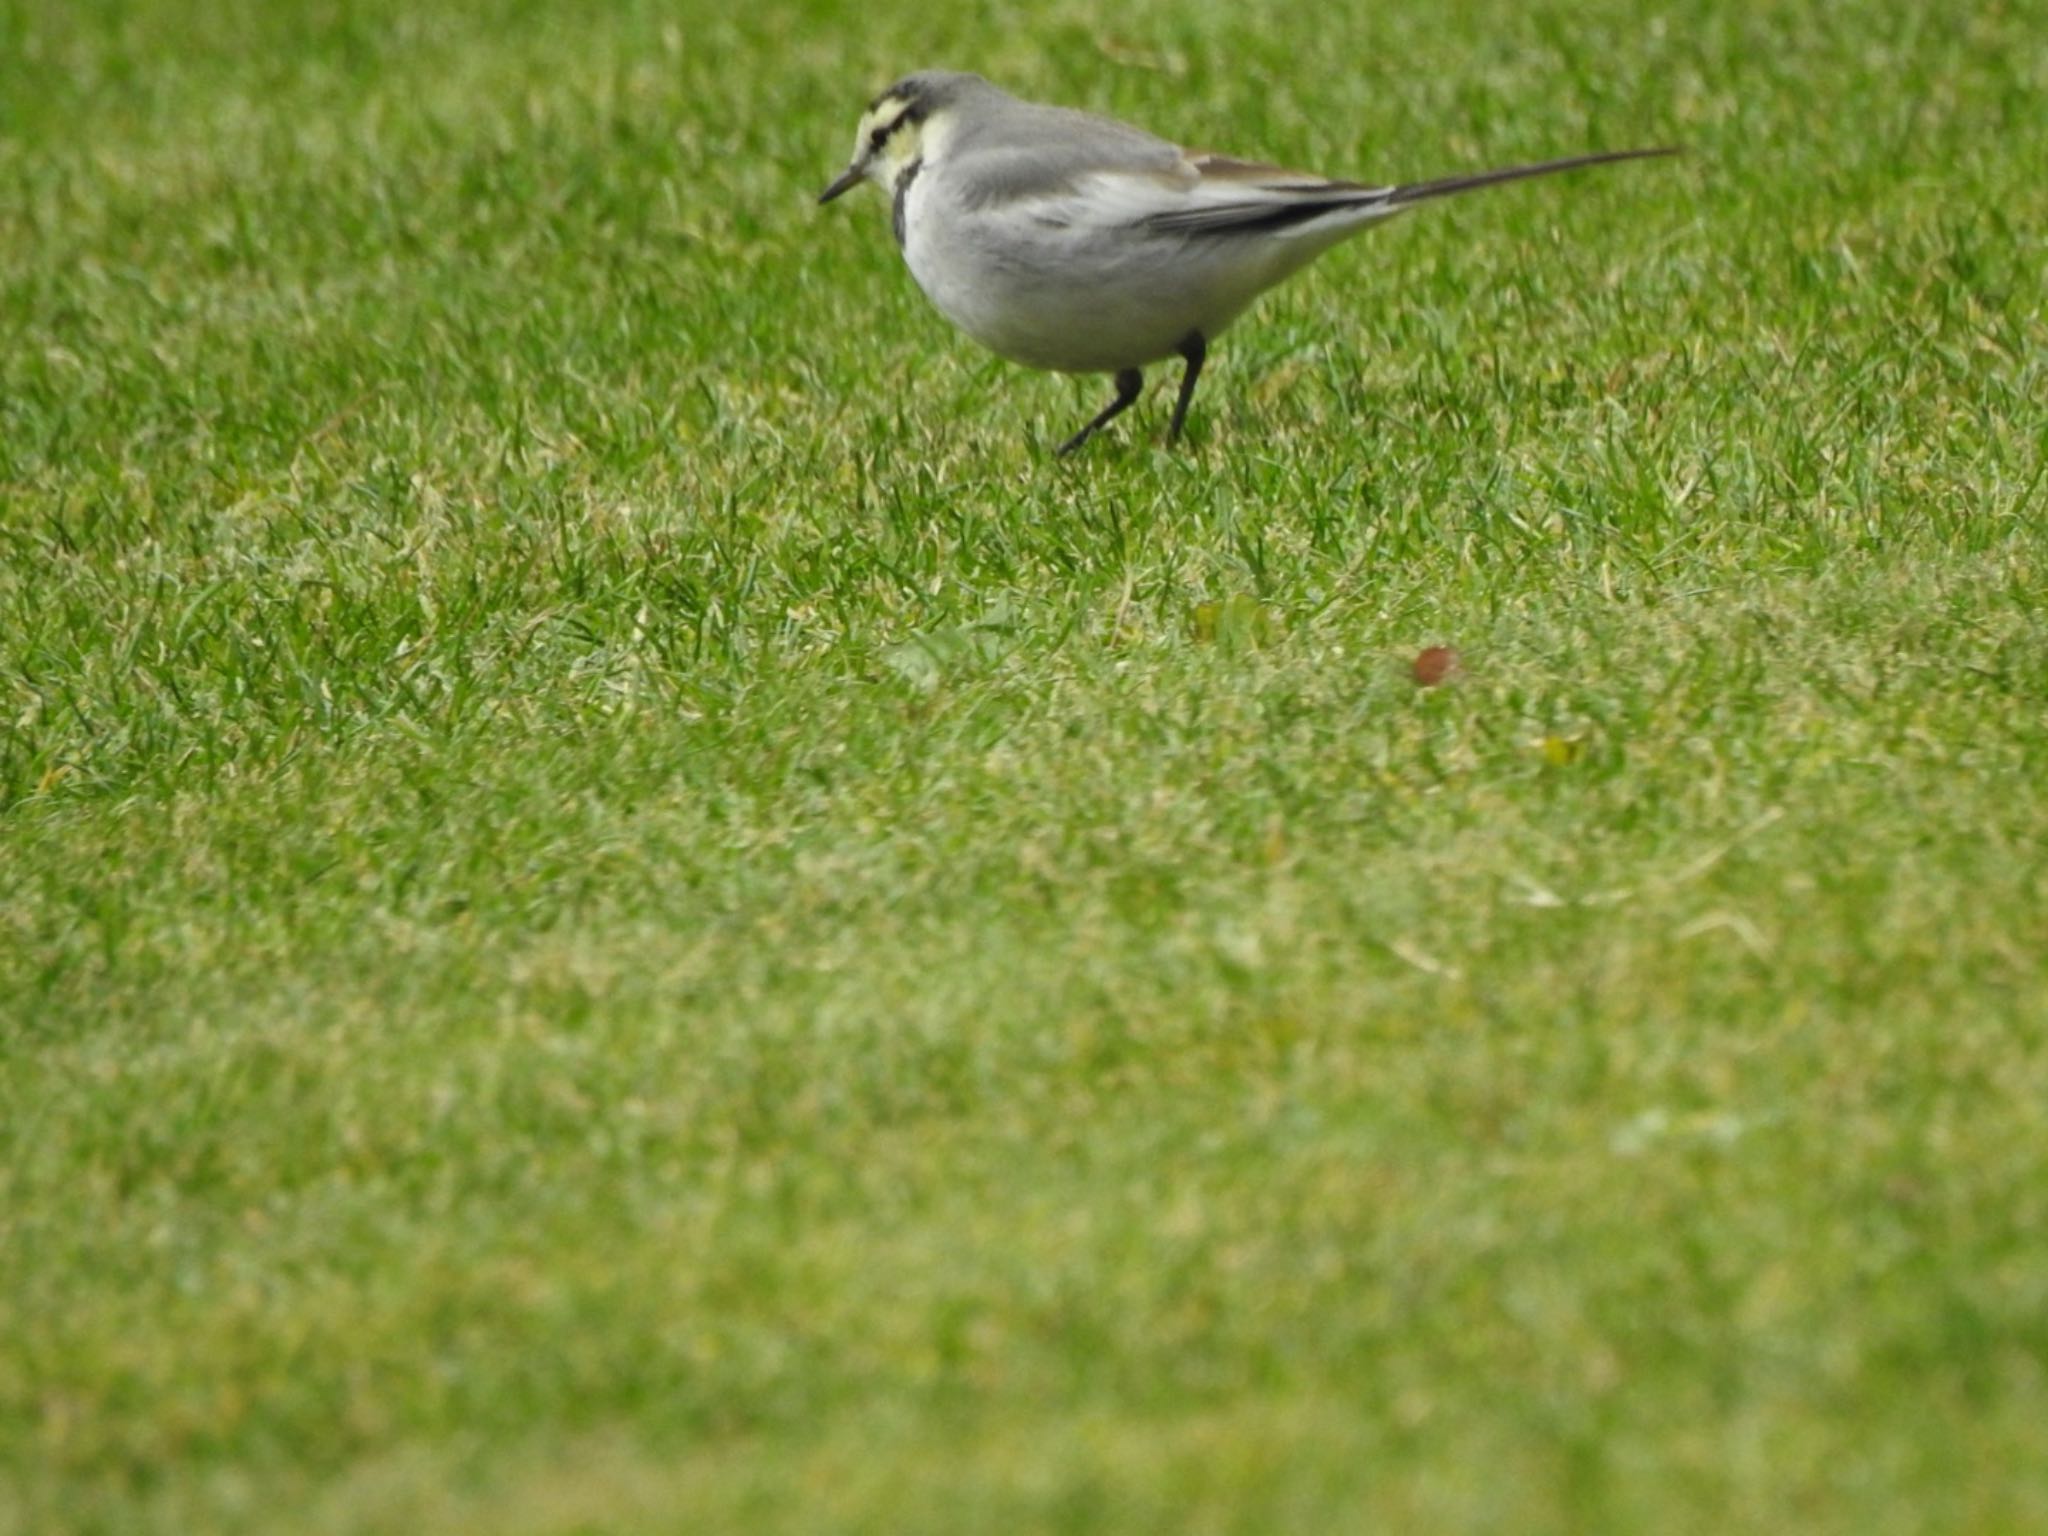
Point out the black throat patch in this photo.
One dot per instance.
(903, 197)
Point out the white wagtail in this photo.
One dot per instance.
(1067, 241)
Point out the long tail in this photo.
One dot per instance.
(1245, 199)
(1445, 186)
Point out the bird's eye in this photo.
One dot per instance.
(882, 132)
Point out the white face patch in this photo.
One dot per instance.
(888, 139)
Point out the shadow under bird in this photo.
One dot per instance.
(1076, 243)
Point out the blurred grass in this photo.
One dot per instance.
(622, 909)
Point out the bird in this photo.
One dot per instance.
(1079, 244)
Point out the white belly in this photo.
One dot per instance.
(1078, 300)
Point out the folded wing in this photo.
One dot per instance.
(1211, 195)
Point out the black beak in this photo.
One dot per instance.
(848, 180)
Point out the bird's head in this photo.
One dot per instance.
(900, 127)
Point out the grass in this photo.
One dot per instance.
(622, 909)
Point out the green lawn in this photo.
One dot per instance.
(622, 909)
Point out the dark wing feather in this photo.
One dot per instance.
(1262, 216)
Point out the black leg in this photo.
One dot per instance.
(1194, 349)
(1128, 383)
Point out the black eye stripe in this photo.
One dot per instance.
(882, 132)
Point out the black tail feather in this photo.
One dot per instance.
(1422, 191)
